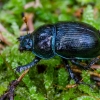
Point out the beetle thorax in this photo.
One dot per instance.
(42, 45)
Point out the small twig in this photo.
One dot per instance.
(71, 85)
(91, 73)
(23, 74)
(10, 92)
(25, 19)
(95, 76)
(28, 23)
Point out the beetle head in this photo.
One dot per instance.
(26, 42)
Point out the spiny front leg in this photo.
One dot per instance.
(27, 66)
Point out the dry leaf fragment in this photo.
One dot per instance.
(4, 40)
(30, 26)
(33, 4)
(2, 29)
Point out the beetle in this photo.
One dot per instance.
(70, 40)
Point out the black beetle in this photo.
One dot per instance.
(69, 40)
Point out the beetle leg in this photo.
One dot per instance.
(95, 60)
(72, 75)
(27, 66)
(77, 63)
(88, 66)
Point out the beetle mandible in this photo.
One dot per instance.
(69, 40)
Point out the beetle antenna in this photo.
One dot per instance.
(25, 20)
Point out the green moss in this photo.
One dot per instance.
(51, 82)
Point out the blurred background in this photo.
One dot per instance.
(48, 80)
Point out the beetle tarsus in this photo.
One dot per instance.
(27, 66)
